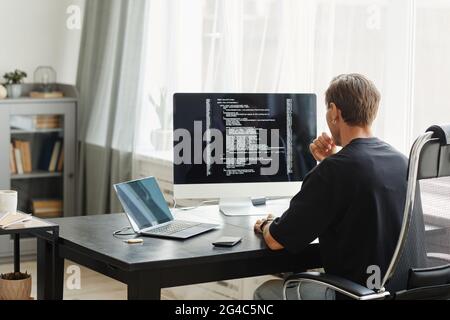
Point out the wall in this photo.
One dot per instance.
(34, 33)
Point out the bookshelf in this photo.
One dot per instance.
(21, 131)
(48, 193)
(32, 127)
(35, 175)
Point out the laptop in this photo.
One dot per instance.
(149, 215)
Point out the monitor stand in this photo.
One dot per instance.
(241, 207)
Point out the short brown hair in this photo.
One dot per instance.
(356, 97)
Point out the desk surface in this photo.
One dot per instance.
(93, 235)
(161, 263)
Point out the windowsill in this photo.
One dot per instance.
(159, 157)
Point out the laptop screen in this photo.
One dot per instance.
(143, 202)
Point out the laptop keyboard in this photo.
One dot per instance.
(173, 227)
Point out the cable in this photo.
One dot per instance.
(118, 233)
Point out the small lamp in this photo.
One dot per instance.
(45, 79)
(45, 83)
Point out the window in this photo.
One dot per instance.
(432, 65)
(298, 46)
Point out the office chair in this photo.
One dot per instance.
(427, 215)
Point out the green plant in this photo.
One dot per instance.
(15, 276)
(14, 77)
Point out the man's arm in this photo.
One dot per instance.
(262, 227)
(310, 212)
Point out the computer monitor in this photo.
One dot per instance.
(235, 146)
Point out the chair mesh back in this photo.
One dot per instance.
(435, 194)
(428, 242)
(414, 252)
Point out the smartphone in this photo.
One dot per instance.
(227, 241)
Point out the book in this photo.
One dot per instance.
(46, 203)
(45, 215)
(48, 124)
(46, 95)
(18, 145)
(54, 157)
(53, 119)
(46, 153)
(30, 123)
(24, 147)
(48, 212)
(12, 159)
(46, 118)
(47, 208)
(61, 160)
(18, 157)
(26, 156)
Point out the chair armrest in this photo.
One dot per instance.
(439, 256)
(428, 277)
(338, 284)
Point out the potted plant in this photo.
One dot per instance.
(15, 286)
(14, 82)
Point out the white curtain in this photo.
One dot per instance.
(299, 46)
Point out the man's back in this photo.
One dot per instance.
(370, 178)
(354, 202)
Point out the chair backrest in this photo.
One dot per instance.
(424, 239)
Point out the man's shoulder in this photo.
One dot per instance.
(352, 156)
(376, 147)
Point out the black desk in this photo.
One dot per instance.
(160, 263)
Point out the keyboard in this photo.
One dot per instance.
(173, 227)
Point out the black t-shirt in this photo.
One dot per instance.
(353, 202)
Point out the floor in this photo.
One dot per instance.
(94, 286)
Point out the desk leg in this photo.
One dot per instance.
(50, 272)
(16, 252)
(58, 273)
(144, 286)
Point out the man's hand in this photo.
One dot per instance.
(259, 223)
(262, 227)
(322, 147)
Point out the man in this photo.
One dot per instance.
(352, 201)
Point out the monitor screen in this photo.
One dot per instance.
(143, 202)
(235, 138)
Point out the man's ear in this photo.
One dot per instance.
(335, 112)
